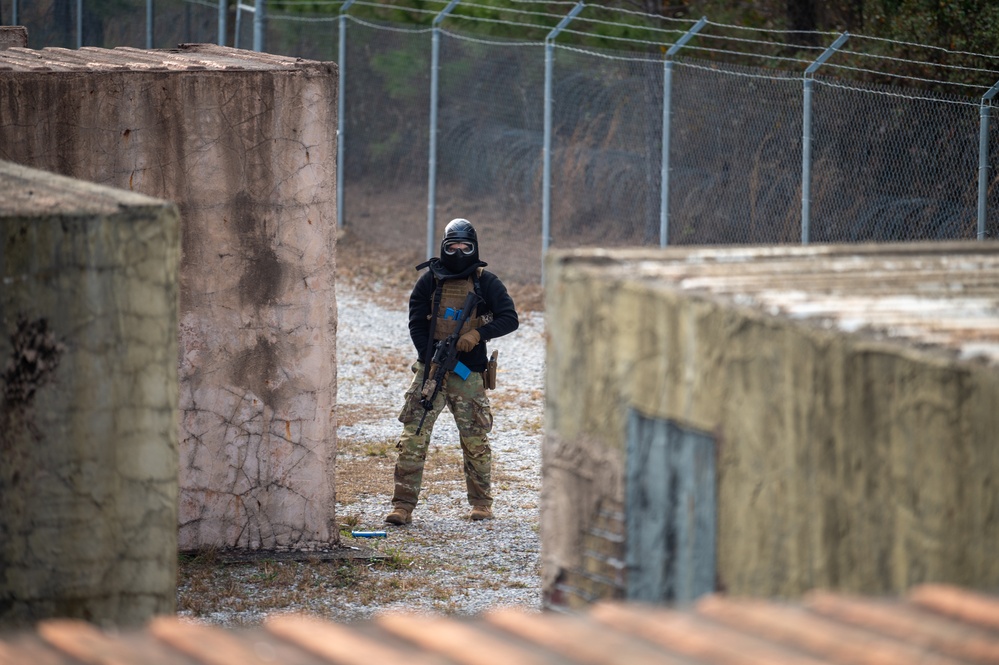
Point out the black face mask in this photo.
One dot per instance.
(459, 262)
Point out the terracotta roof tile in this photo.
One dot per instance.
(580, 640)
(21, 649)
(696, 636)
(920, 627)
(89, 644)
(932, 624)
(823, 637)
(205, 644)
(959, 603)
(462, 642)
(341, 644)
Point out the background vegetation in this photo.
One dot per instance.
(926, 39)
(929, 33)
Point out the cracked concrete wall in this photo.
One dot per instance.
(249, 155)
(845, 461)
(88, 431)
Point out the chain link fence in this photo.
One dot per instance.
(891, 166)
(71, 24)
(735, 155)
(386, 132)
(490, 138)
(886, 163)
(606, 149)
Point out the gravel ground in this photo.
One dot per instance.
(442, 563)
(486, 564)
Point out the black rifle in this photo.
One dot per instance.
(445, 359)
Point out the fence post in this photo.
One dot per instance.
(223, 10)
(667, 110)
(149, 24)
(14, 4)
(239, 20)
(340, 125)
(432, 164)
(983, 158)
(806, 137)
(79, 24)
(259, 24)
(546, 195)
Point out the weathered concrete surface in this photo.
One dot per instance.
(88, 431)
(245, 144)
(851, 392)
(13, 36)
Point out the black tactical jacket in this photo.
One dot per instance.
(496, 300)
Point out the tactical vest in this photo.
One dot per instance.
(452, 296)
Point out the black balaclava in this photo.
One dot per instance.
(463, 231)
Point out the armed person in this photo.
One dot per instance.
(455, 308)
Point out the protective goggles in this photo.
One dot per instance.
(452, 247)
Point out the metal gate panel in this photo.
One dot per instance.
(670, 511)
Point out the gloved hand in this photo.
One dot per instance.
(468, 341)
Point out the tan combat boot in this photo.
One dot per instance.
(399, 516)
(481, 513)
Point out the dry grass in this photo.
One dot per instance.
(352, 414)
(243, 592)
(208, 587)
(363, 474)
(513, 396)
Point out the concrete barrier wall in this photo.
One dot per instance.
(13, 36)
(88, 431)
(850, 393)
(245, 144)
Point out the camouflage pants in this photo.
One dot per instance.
(469, 405)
